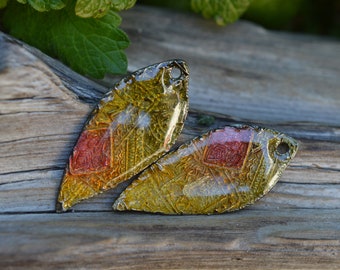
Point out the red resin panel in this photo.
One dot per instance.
(227, 147)
(92, 152)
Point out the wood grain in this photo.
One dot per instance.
(241, 73)
(246, 239)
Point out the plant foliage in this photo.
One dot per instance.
(90, 46)
(85, 34)
(222, 11)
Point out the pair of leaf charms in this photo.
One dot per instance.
(132, 129)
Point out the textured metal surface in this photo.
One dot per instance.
(133, 125)
(224, 170)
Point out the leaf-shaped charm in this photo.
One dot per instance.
(133, 125)
(222, 171)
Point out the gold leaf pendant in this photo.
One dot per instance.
(132, 126)
(222, 171)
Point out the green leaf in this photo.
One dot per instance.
(46, 5)
(223, 11)
(90, 46)
(3, 3)
(92, 8)
(22, 1)
(99, 8)
(120, 5)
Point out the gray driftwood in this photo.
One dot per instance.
(241, 73)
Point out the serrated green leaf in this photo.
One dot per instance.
(46, 5)
(90, 46)
(3, 3)
(99, 8)
(92, 8)
(22, 1)
(222, 11)
(119, 5)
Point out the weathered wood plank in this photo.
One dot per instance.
(241, 73)
(287, 239)
(249, 73)
(308, 183)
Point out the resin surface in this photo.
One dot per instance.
(132, 126)
(224, 170)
